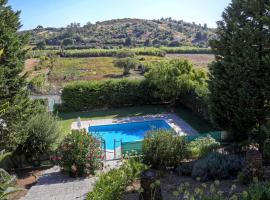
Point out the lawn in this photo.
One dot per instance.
(201, 125)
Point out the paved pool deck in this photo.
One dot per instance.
(181, 127)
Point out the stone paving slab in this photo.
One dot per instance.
(53, 185)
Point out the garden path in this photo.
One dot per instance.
(53, 185)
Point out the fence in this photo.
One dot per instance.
(136, 147)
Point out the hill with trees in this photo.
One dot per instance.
(124, 33)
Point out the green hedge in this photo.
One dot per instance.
(187, 50)
(81, 96)
(147, 51)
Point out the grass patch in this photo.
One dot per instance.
(194, 120)
(80, 68)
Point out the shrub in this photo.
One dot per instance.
(126, 64)
(185, 168)
(174, 78)
(205, 192)
(80, 154)
(202, 146)
(197, 100)
(162, 149)
(43, 134)
(79, 96)
(7, 181)
(258, 191)
(112, 185)
(217, 166)
(38, 83)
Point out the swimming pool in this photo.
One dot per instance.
(128, 132)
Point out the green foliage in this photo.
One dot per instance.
(112, 185)
(12, 80)
(79, 96)
(185, 168)
(41, 45)
(126, 64)
(258, 191)
(202, 146)
(186, 50)
(213, 191)
(43, 135)
(174, 78)
(67, 42)
(197, 100)
(163, 149)
(249, 174)
(120, 53)
(81, 52)
(239, 80)
(80, 154)
(217, 166)
(38, 83)
(7, 181)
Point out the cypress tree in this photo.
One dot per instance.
(240, 76)
(13, 91)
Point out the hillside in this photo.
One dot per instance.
(125, 32)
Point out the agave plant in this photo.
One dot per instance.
(7, 181)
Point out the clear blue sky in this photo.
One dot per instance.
(59, 13)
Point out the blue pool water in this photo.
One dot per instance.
(128, 132)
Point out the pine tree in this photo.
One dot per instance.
(13, 89)
(240, 76)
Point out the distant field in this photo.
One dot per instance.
(69, 69)
(199, 60)
(97, 68)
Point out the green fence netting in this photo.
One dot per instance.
(131, 147)
(136, 147)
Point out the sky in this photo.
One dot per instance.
(59, 13)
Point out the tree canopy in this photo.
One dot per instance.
(13, 91)
(174, 78)
(240, 76)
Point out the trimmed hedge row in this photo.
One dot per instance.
(81, 96)
(186, 50)
(114, 52)
(148, 51)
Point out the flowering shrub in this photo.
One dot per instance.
(80, 154)
(162, 149)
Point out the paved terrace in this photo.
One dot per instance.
(53, 185)
(179, 125)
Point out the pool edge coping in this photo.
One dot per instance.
(181, 127)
